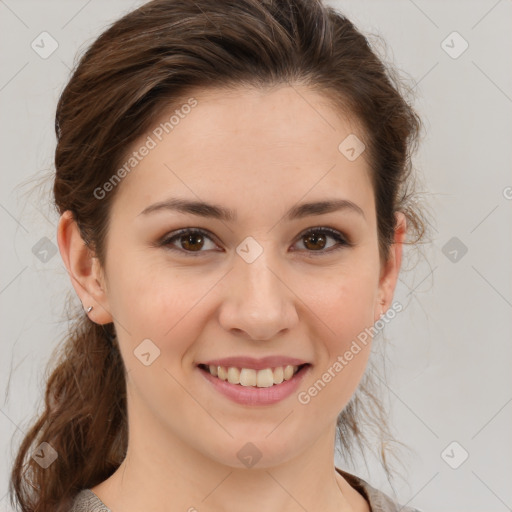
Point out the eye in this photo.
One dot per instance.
(316, 240)
(192, 240)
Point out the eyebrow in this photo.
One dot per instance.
(203, 209)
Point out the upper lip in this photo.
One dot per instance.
(255, 363)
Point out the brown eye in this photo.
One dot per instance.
(188, 241)
(316, 240)
(192, 241)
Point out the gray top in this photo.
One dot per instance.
(87, 501)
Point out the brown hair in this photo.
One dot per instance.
(146, 61)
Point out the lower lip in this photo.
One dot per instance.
(250, 395)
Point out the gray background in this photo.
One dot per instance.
(449, 352)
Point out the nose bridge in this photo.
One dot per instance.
(260, 282)
(257, 301)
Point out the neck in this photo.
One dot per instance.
(161, 473)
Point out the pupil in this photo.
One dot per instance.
(315, 240)
(189, 241)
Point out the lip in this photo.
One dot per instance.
(254, 396)
(254, 363)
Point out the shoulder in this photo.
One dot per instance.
(378, 500)
(87, 501)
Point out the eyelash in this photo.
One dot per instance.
(336, 235)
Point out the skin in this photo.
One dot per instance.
(258, 152)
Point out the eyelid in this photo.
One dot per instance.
(166, 240)
(341, 239)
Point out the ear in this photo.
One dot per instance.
(391, 269)
(84, 269)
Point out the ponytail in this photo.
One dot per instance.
(80, 439)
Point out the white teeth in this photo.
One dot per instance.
(248, 377)
(278, 375)
(265, 378)
(222, 374)
(257, 378)
(233, 375)
(288, 372)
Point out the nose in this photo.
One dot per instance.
(259, 304)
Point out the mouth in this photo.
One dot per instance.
(255, 378)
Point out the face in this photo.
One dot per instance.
(270, 285)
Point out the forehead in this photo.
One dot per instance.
(247, 147)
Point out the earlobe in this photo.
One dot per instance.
(391, 270)
(83, 269)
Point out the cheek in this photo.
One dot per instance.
(342, 301)
(156, 302)
(341, 311)
(142, 286)
(345, 316)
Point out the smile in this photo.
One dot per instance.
(251, 387)
(264, 378)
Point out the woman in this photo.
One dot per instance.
(233, 184)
